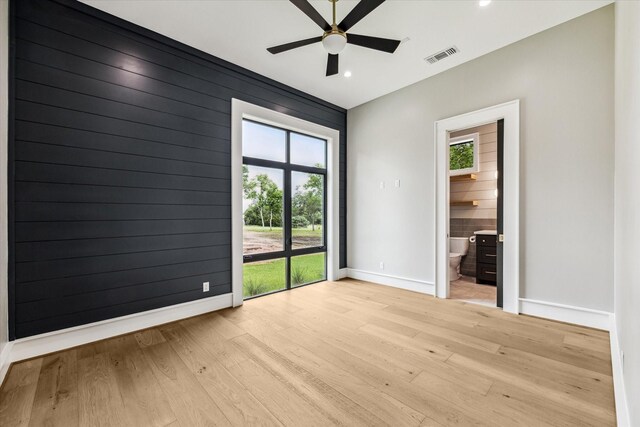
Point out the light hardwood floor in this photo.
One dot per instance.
(348, 353)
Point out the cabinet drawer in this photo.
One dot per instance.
(486, 272)
(487, 256)
(486, 240)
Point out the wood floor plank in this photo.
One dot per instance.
(18, 392)
(99, 399)
(472, 402)
(404, 391)
(281, 398)
(336, 407)
(536, 409)
(213, 342)
(589, 342)
(554, 391)
(225, 328)
(412, 327)
(56, 398)
(144, 400)
(332, 353)
(149, 337)
(238, 405)
(358, 343)
(123, 343)
(188, 400)
(385, 407)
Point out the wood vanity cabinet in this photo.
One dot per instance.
(486, 258)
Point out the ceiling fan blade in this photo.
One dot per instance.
(288, 46)
(377, 43)
(361, 10)
(312, 13)
(332, 65)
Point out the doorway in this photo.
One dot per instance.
(474, 210)
(507, 234)
(241, 110)
(284, 175)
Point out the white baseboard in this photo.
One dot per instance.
(566, 313)
(622, 410)
(394, 281)
(342, 273)
(50, 342)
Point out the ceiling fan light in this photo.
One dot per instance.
(334, 43)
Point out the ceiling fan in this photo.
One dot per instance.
(335, 37)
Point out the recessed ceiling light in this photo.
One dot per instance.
(484, 3)
(347, 74)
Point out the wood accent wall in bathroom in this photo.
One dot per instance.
(483, 188)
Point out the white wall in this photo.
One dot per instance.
(4, 57)
(627, 197)
(564, 79)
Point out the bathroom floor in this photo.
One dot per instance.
(466, 289)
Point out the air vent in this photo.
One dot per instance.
(441, 55)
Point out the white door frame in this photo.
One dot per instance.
(241, 110)
(510, 112)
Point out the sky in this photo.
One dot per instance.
(266, 142)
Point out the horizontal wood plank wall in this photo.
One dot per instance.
(483, 188)
(122, 166)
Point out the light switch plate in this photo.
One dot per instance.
(205, 286)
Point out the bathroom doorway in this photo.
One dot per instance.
(505, 243)
(473, 214)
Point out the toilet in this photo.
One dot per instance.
(458, 247)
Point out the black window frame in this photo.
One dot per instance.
(288, 168)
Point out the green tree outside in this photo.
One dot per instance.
(461, 156)
(307, 201)
(266, 198)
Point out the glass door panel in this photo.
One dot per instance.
(307, 210)
(283, 209)
(262, 209)
(308, 269)
(262, 277)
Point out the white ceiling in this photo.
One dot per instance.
(239, 31)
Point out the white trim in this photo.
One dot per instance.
(342, 273)
(240, 110)
(5, 360)
(475, 138)
(415, 285)
(50, 342)
(566, 313)
(510, 112)
(4, 247)
(619, 391)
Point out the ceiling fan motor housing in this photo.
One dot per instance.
(335, 40)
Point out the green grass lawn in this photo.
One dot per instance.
(268, 276)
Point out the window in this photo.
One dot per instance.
(284, 180)
(463, 154)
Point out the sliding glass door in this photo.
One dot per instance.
(284, 209)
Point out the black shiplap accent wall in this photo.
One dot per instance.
(121, 166)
